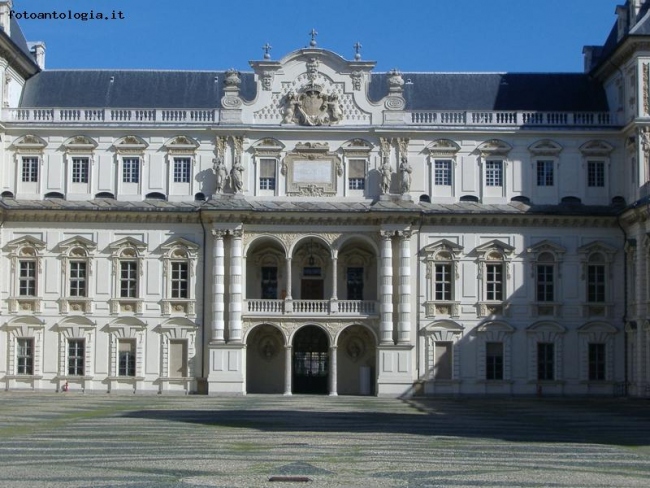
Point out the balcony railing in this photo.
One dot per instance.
(510, 118)
(356, 308)
(103, 116)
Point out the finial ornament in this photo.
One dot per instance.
(267, 50)
(313, 35)
(357, 51)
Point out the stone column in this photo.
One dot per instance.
(386, 289)
(287, 369)
(235, 303)
(218, 288)
(288, 300)
(335, 263)
(333, 371)
(404, 307)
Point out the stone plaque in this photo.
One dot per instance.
(312, 171)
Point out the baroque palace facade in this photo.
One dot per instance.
(312, 226)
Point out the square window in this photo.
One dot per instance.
(357, 174)
(182, 170)
(443, 282)
(545, 173)
(129, 279)
(597, 362)
(494, 173)
(354, 277)
(269, 282)
(78, 279)
(30, 170)
(80, 167)
(596, 283)
(27, 280)
(596, 174)
(126, 349)
(180, 280)
(131, 170)
(442, 172)
(25, 356)
(545, 283)
(545, 361)
(76, 360)
(267, 174)
(494, 361)
(494, 282)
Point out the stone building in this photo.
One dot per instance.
(313, 226)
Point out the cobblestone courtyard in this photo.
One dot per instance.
(73, 440)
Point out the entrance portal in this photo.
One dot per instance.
(310, 361)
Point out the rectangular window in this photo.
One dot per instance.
(131, 170)
(545, 173)
(355, 283)
(76, 353)
(545, 288)
(443, 282)
(177, 358)
(494, 361)
(357, 174)
(80, 170)
(597, 362)
(129, 279)
(78, 279)
(126, 349)
(494, 173)
(30, 170)
(269, 282)
(596, 173)
(25, 356)
(596, 283)
(442, 172)
(545, 361)
(267, 174)
(180, 280)
(442, 361)
(494, 282)
(182, 170)
(27, 281)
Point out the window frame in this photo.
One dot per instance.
(182, 169)
(25, 351)
(179, 252)
(494, 173)
(446, 174)
(132, 251)
(543, 176)
(442, 253)
(80, 174)
(131, 169)
(76, 357)
(30, 168)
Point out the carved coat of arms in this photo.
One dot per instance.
(312, 106)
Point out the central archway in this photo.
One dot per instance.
(310, 361)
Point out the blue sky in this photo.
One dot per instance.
(413, 35)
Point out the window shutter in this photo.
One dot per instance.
(267, 168)
(357, 168)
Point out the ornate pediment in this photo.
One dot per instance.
(29, 144)
(546, 246)
(491, 249)
(545, 147)
(181, 144)
(26, 241)
(494, 147)
(596, 148)
(443, 148)
(130, 144)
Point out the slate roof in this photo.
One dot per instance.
(573, 92)
(130, 89)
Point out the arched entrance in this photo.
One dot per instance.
(265, 360)
(356, 360)
(310, 361)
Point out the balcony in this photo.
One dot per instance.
(510, 119)
(106, 116)
(311, 308)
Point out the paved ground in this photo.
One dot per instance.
(74, 440)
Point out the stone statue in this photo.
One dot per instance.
(386, 173)
(334, 107)
(290, 108)
(220, 173)
(236, 176)
(405, 171)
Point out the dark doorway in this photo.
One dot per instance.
(310, 361)
(312, 290)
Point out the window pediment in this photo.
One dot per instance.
(181, 145)
(494, 250)
(597, 327)
(546, 326)
(130, 145)
(443, 148)
(494, 147)
(29, 144)
(546, 246)
(128, 243)
(77, 242)
(444, 325)
(180, 243)
(356, 147)
(545, 147)
(495, 326)
(436, 251)
(596, 148)
(80, 145)
(597, 247)
(25, 242)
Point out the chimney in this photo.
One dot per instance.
(5, 15)
(38, 52)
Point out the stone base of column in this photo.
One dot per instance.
(226, 364)
(395, 370)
